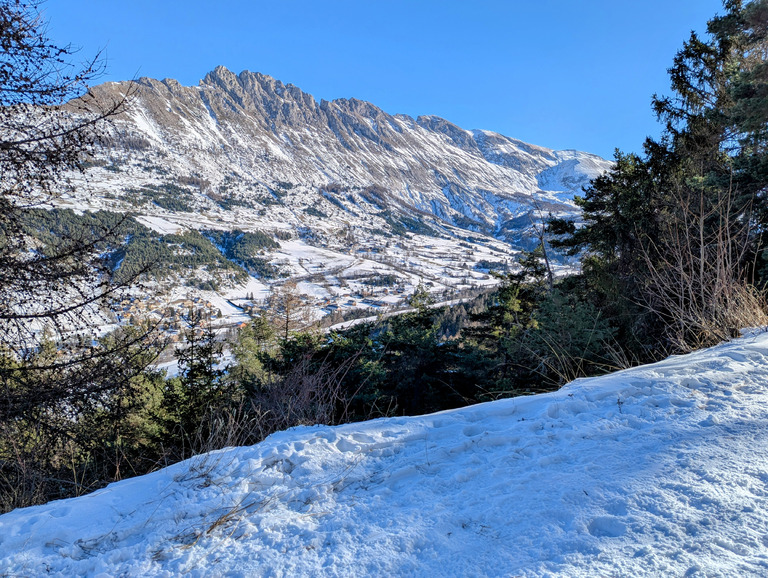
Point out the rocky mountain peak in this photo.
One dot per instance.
(255, 126)
(254, 93)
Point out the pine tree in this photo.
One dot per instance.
(678, 231)
(192, 400)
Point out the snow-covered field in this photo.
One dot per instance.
(660, 470)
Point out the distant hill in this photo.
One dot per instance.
(235, 135)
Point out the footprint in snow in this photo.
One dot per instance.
(735, 356)
(347, 445)
(607, 527)
(472, 431)
(710, 421)
(362, 438)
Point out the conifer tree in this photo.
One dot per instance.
(678, 231)
(53, 370)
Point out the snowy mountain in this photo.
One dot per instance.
(660, 470)
(235, 134)
(350, 194)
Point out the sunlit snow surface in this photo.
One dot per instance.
(659, 470)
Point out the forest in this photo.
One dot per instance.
(671, 243)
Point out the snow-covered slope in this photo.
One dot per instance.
(420, 199)
(240, 136)
(660, 470)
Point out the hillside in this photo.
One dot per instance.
(242, 139)
(657, 470)
(341, 194)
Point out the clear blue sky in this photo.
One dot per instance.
(557, 73)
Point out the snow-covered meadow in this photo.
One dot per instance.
(657, 470)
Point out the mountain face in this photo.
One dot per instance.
(235, 137)
(354, 206)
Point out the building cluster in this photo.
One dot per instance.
(172, 317)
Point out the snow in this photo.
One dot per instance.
(312, 289)
(144, 122)
(496, 193)
(259, 290)
(657, 470)
(229, 311)
(158, 224)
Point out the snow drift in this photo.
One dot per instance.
(662, 469)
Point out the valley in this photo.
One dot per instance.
(352, 206)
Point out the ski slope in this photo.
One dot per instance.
(657, 470)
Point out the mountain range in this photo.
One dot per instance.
(246, 152)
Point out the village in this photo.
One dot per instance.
(198, 309)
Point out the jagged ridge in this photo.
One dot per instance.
(255, 128)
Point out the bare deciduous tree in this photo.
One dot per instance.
(288, 310)
(53, 365)
(697, 272)
(49, 123)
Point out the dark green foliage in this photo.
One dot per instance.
(133, 249)
(230, 203)
(192, 400)
(381, 280)
(117, 436)
(167, 196)
(398, 368)
(59, 230)
(180, 253)
(466, 223)
(59, 441)
(314, 212)
(173, 204)
(250, 349)
(672, 240)
(526, 338)
(238, 245)
(511, 342)
(243, 248)
(522, 338)
(716, 122)
(620, 209)
(421, 374)
(379, 232)
(402, 224)
(267, 200)
(569, 339)
(486, 265)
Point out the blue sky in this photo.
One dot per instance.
(557, 73)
